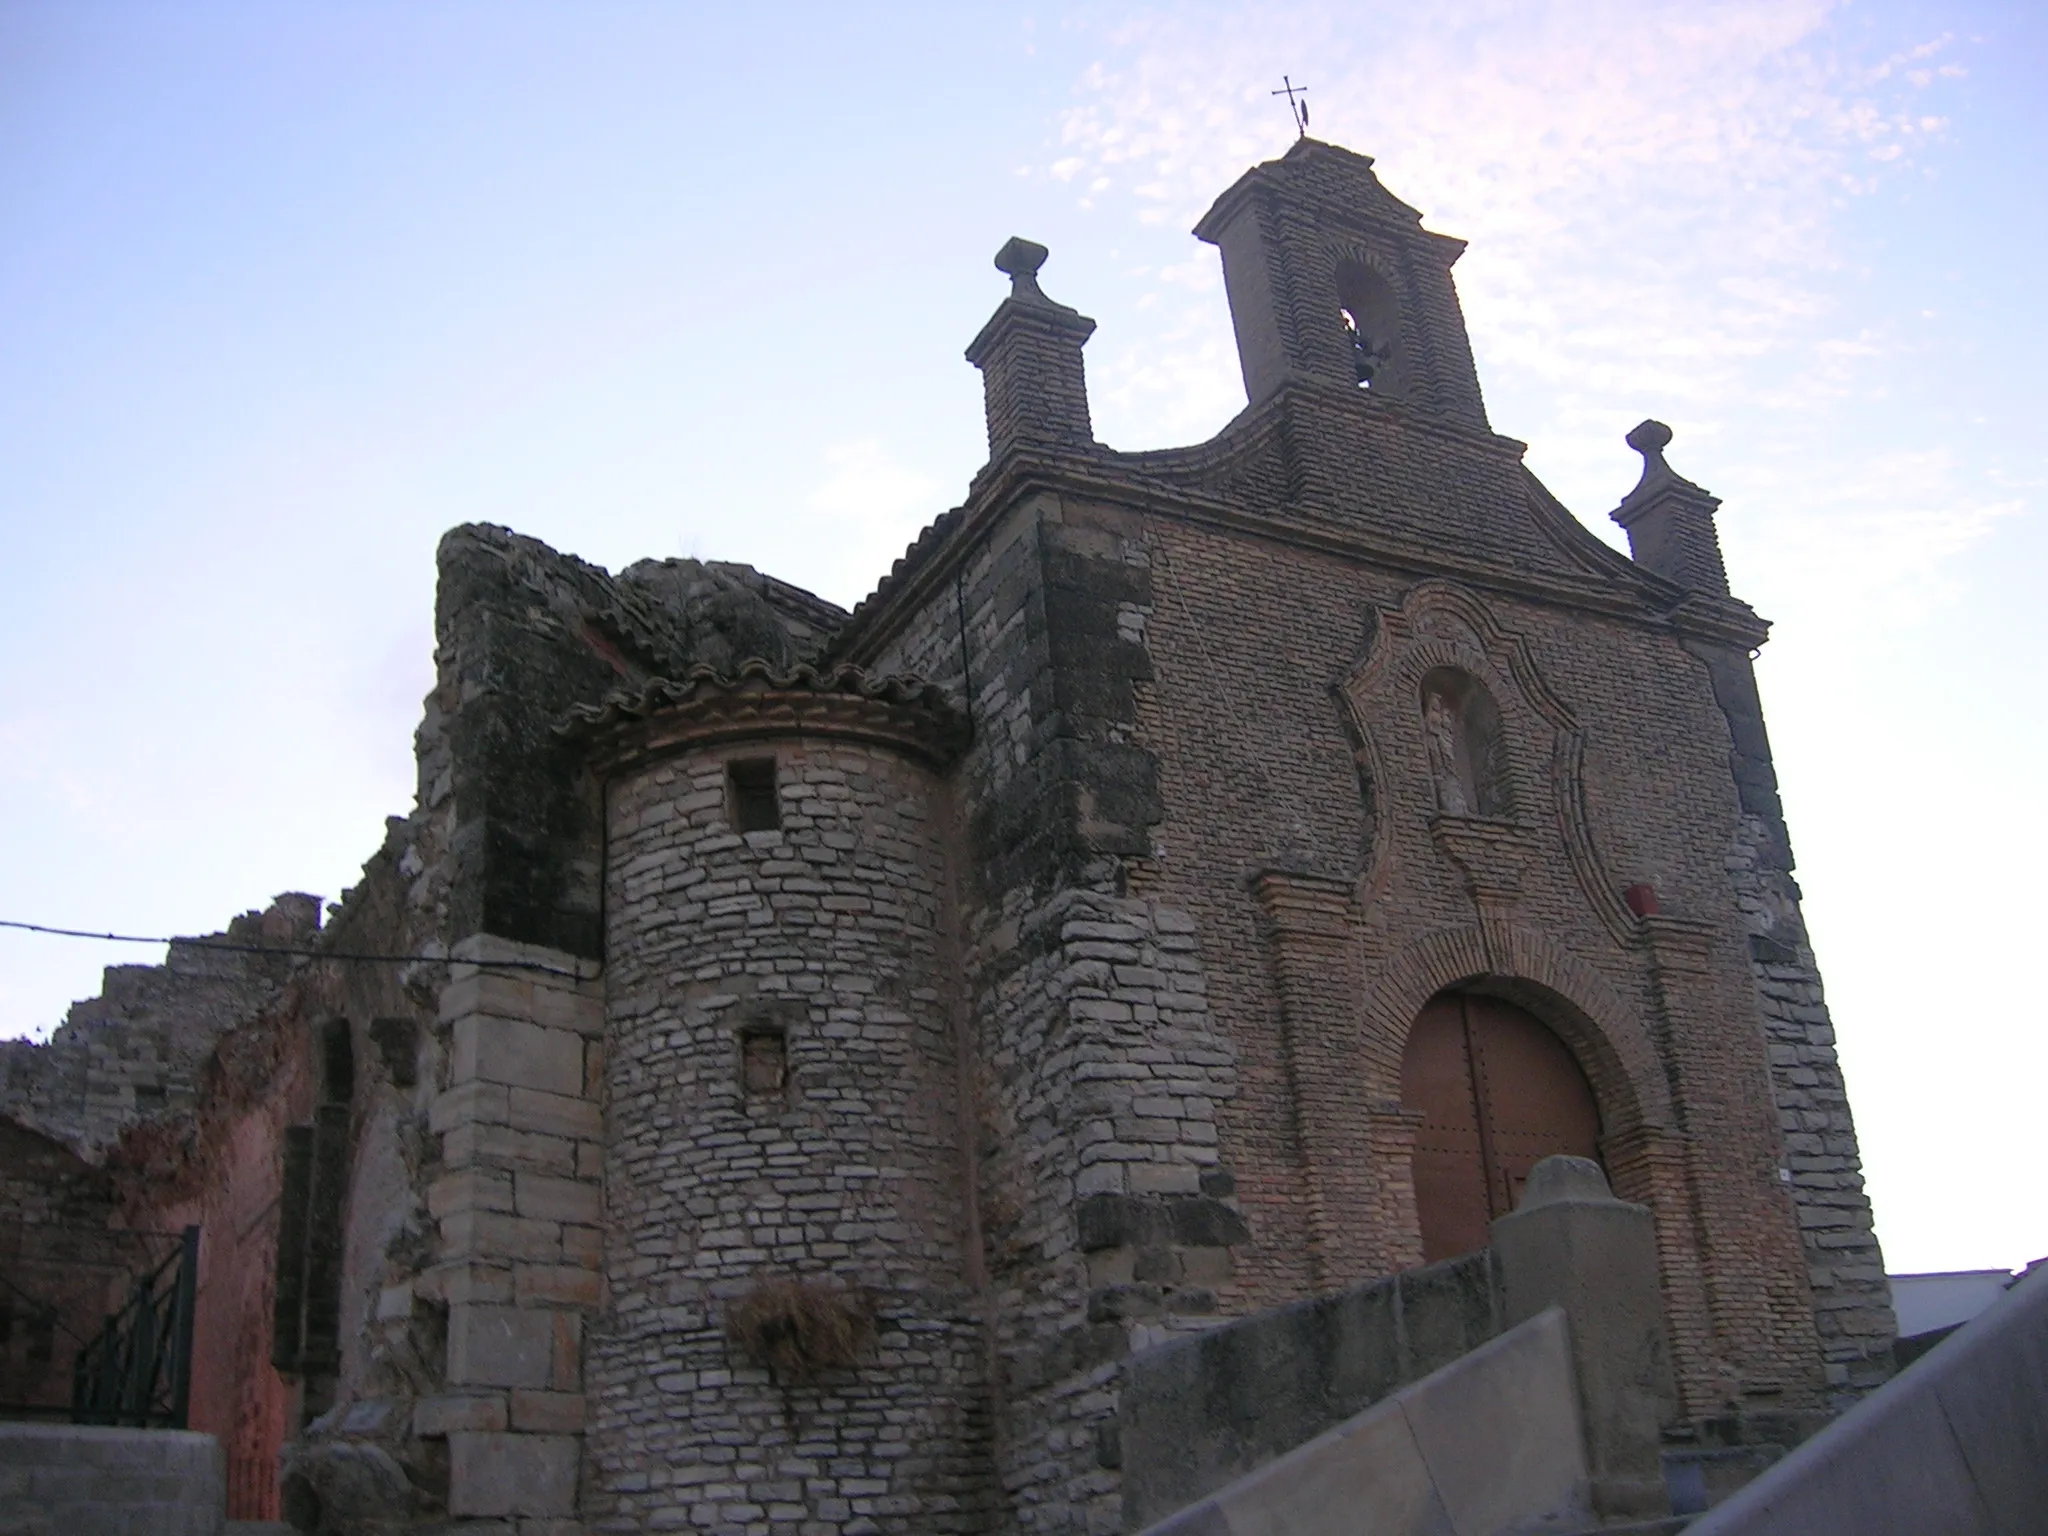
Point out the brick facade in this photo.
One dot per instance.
(836, 1043)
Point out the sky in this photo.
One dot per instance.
(287, 290)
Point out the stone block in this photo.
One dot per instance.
(572, 1285)
(1500, 1431)
(554, 1114)
(501, 994)
(468, 1103)
(493, 1235)
(518, 1054)
(583, 1246)
(1571, 1244)
(1164, 1179)
(548, 1198)
(499, 1146)
(464, 1281)
(512, 1474)
(565, 1008)
(436, 1417)
(497, 1346)
(548, 1412)
(394, 1302)
(469, 1189)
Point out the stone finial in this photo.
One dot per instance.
(1650, 439)
(1029, 355)
(1670, 521)
(1021, 259)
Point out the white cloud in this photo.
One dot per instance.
(865, 509)
(1653, 196)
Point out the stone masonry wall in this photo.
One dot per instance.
(1851, 1298)
(1099, 1075)
(136, 1049)
(1109, 1218)
(519, 1208)
(825, 943)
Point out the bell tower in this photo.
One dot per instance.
(1333, 280)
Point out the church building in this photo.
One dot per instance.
(848, 1045)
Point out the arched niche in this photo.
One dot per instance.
(1468, 752)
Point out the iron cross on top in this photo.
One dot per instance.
(1299, 109)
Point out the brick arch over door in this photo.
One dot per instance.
(1575, 1001)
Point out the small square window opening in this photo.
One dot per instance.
(764, 1063)
(755, 806)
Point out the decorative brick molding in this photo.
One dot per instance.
(1313, 932)
(1677, 946)
(1670, 521)
(1762, 1330)
(1443, 623)
(1490, 854)
(519, 1208)
(1571, 996)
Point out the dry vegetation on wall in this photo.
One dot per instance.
(800, 1329)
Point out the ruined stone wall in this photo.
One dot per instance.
(784, 1083)
(523, 633)
(136, 1050)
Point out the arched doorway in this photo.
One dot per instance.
(1499, 1092)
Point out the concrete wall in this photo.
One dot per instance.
(1957, 1444)
(72, 1480)
(1488, 1443)
(1201, 1412)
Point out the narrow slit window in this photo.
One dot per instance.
(750, 783)
(764, 1063)
(337, 1062)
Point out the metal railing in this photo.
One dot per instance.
(138, 1370)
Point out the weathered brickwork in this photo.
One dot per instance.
(823, 1050)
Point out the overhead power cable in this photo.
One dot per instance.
(229, 946)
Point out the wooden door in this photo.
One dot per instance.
(1499, 1092)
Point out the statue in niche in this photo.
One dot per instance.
(1440, 726)
(1468, 760)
